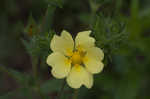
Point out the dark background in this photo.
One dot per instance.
(127, 70)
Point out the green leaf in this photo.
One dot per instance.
(32, 27)
(110, 32)
(52, 85)
(46, 24)
(21, 78)
(57, 3)
(39, 46)
(22, 93)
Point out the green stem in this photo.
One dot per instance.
(75, 94)
(34, 61)
(39, 91)
(35, 75)
(61, 90)
(47, 19)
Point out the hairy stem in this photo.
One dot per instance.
(35, 75)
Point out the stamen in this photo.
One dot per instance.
(76, 58)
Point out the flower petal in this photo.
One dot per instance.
(63, 43)
(94, 66)
(79, 76)
(60, 64)
(84, 40)
(92, 60)
(96, 53)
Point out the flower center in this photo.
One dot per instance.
(76, 58)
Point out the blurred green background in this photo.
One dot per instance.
(121, 28)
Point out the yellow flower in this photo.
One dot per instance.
(76, 60)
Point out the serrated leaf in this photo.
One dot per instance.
(39, 46)
(53, 85)
(57, 3)
(21, 78)
(32, 27)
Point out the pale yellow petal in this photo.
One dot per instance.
(93, 66)
(96, 53)
(60, 64)
(93, 60)
(60, 71)
(83, 40)
(78, 76)
(53, 58)
(63, 43)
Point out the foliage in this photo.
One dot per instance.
(120, 27)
